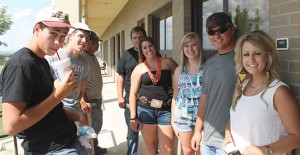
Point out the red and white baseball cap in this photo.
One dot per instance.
(53, 17)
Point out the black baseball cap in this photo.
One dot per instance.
(94, 36)
(218, 18)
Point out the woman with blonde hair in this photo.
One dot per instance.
(264, 117)
(149, 99)
(187, 82)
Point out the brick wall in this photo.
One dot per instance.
(181, 24)
(285, 23)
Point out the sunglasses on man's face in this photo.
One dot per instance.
(219, 31)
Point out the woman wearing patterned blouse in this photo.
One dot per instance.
(187, 82)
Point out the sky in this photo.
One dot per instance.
(22, 13)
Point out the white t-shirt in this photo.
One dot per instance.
(255, 121)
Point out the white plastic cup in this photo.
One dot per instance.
(61, 68)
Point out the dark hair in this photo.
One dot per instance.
(138, 29)
(141, 55)
(42, 26)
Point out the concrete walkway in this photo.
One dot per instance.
(114, 130)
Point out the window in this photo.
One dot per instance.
(105, 51)
(249, 15)
(163, 30)
(118, 47)
(246, 15)
(112, 49)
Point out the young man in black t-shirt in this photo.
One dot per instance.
(126, 65)
(32, 106)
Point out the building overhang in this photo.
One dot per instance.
(99, 14)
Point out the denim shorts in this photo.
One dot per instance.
(181, 127)
(154, 116)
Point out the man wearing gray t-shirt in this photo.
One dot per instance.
(75, 105)
(218, 86)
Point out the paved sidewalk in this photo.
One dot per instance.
(114, 130)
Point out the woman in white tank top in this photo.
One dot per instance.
(265, 116)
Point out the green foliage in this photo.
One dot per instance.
(244, 23)
(5, 22)
(257, 20)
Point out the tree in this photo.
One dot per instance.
(5, 22)
(257, 20)
(244, 23)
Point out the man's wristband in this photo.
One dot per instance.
(132, 118)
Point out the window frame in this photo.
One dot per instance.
(162, 15)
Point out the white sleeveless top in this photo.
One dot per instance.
(255, 121)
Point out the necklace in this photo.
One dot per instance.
(256, 84)
(154, 78)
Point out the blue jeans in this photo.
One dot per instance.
(132, 136)
(211, 150)
(154, 116)
(74, 149)
(97, 117)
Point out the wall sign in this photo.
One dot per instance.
(282, 43)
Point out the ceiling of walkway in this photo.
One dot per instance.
(100, 13)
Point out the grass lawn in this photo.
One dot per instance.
(1, 128)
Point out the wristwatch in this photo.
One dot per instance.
(268, 150)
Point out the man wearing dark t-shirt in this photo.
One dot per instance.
(32, 106)
(126, 65)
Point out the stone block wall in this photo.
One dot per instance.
(285, 23)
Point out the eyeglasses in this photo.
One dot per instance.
(219, 31)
